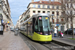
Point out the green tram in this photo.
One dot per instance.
(37, 28)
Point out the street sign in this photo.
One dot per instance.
(2, 21)
(57, 24)
(8, 22)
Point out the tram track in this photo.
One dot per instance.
(54, 46)
(43, 46)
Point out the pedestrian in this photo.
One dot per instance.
(60, 34)
(55, 32)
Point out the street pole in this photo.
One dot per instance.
(72, 15)
(67, 25)
(72, 21)
(52, 23)
(57, 21)
(72, 27)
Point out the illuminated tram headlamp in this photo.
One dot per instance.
(50, 32)
(40, 17)
(41, 33)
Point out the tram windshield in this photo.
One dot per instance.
(44, 23)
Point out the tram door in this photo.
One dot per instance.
(33, 25)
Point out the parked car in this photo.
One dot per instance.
(69, 31)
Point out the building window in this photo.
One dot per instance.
(48, 6)
(57, 7)
(33, 11)
(38, 11)
(70, 5)
(33, 6)
(43, 6)
(38, 6)
(69, 0)
(57, 13)
(57, 20)
(48, 11)
(53, 20)
(43, 11)
(52, 7)
(73, 12)
(67, 5)
(52, 12)
(62, 19)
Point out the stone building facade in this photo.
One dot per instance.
(69, 10)
(53, 8)
(6, 13)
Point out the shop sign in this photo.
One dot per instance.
(8, 22)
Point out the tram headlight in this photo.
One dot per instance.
(40, 18)
(40, 33)
(50, 32)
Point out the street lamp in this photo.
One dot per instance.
(57, 20)
(52, 21)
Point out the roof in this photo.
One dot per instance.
(41, 14)
(45, 2)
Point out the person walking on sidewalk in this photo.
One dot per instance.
(60, 34)
(55, 32)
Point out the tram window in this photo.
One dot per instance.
(40, 26)
(40, 22)
(36, 28)
(36, 25)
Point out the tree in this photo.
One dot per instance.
(69, 11)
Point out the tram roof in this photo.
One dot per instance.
(36, 15)
(41, 14)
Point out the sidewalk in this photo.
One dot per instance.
(10, 42)
(65, 40)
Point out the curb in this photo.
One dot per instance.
(63, 43)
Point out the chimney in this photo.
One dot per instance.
(40, 1)
(32, 0)
(49, 1)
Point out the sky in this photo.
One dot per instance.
(17, 7)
